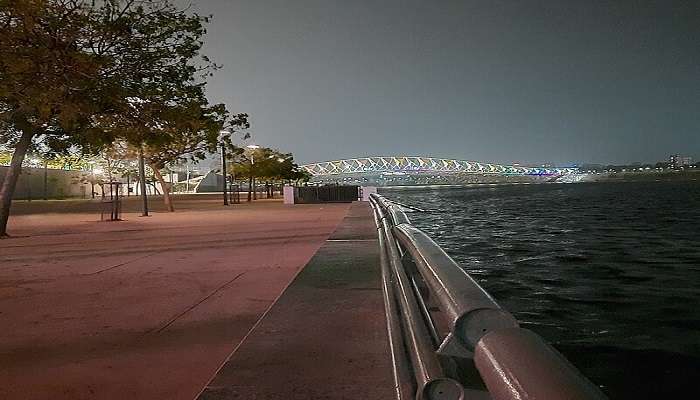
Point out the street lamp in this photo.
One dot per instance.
(251, 182)
(223, 163)
(142, 182)
(92, 179)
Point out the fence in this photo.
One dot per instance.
(449, 339)
(326, 194)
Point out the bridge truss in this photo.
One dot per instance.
(408, 164)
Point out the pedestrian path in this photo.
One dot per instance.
(325, 337)
(146, 308)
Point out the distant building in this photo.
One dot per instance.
(677, 161)
(211, 182)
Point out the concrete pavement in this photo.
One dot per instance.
(326, 337)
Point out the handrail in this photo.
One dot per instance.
(513, 363)
(406, 206)
(470, 310)
(517, 364)
(430, 377)
(395, 213)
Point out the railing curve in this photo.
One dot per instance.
(449, 337)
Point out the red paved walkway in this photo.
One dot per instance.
(147, 308)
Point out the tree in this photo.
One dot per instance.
(300, 175)
(192, 133)
(264, 164)
(70, 71)
(67, 161)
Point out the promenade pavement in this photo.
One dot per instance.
(147, 308)
(326, 337)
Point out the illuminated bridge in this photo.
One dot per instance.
(408, 170)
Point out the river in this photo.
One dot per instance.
(609, 273)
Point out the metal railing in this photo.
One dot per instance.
(449, 339)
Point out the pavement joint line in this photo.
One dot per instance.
(125, 230)
(249, 234)
(189, 245)
(92, 233)
(351, 240)
(192, 307)
(123, 264)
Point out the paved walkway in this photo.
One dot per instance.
(147, 308)
(325, 338)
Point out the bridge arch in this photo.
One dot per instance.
(419, 164)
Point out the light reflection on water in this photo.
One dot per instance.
(607, 272)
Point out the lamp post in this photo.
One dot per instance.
(280, 160)
(223, 171)
(223, 165)
(142, 179)
(251, 182)
(46, 179)
(92, 179)
(234, 199)
(188, 177)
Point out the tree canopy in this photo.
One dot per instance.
(85, 74)
(266, 164)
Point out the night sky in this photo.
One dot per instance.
(502, 81)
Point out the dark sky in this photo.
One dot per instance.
(494, 80)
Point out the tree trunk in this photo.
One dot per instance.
(155, 190)
(10, 182)
(166, 190)
(250, 188)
